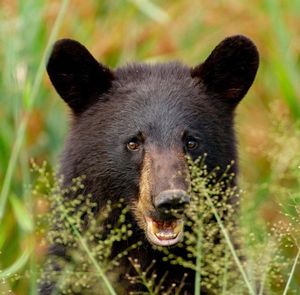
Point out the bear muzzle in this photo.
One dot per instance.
(164, 232)
(165, 227)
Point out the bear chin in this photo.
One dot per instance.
(164, 233)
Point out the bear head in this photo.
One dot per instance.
(132, 127)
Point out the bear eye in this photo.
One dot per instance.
(191, 143)
(133, 144)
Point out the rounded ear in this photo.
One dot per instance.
(77, 77)
(230, 69)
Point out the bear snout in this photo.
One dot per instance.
(171, 202)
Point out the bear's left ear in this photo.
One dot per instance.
(230, 69)
(76, 75)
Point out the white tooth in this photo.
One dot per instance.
(166, 235)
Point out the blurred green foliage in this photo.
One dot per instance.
(34, 120)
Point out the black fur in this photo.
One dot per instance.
(162, 101)
(230, 69)
(76, 75)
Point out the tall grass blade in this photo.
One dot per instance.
(225, 276)
(89, 253)
(20, 134)
(230, 245)
(16, 266)
(144, 279)
(286, 67)
(291, 273)
(96, 265)
(265, 273)
(198, 259)
(152, 10)
(22, 215)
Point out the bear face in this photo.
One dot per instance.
(133, 127)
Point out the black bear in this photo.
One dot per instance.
(132, 128)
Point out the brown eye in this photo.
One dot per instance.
(191, 144)
(133, 145)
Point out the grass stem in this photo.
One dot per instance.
(88, 252)
(198, 258)
(20, 134)
(230, 245)
(291, 273)
(225, 276)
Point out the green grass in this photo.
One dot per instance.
(29, 99)
(34, 120)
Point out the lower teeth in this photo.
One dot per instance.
(166, 236)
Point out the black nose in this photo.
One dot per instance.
(171, 201)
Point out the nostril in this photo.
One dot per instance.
(171, 200)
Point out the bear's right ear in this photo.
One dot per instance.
(76, 75)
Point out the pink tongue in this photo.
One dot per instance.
(164, 225)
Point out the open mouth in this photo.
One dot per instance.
(164, 233)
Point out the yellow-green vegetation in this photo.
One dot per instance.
(33, 125)
(72, 225)
(216, 242)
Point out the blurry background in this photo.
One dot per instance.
(34, 119)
